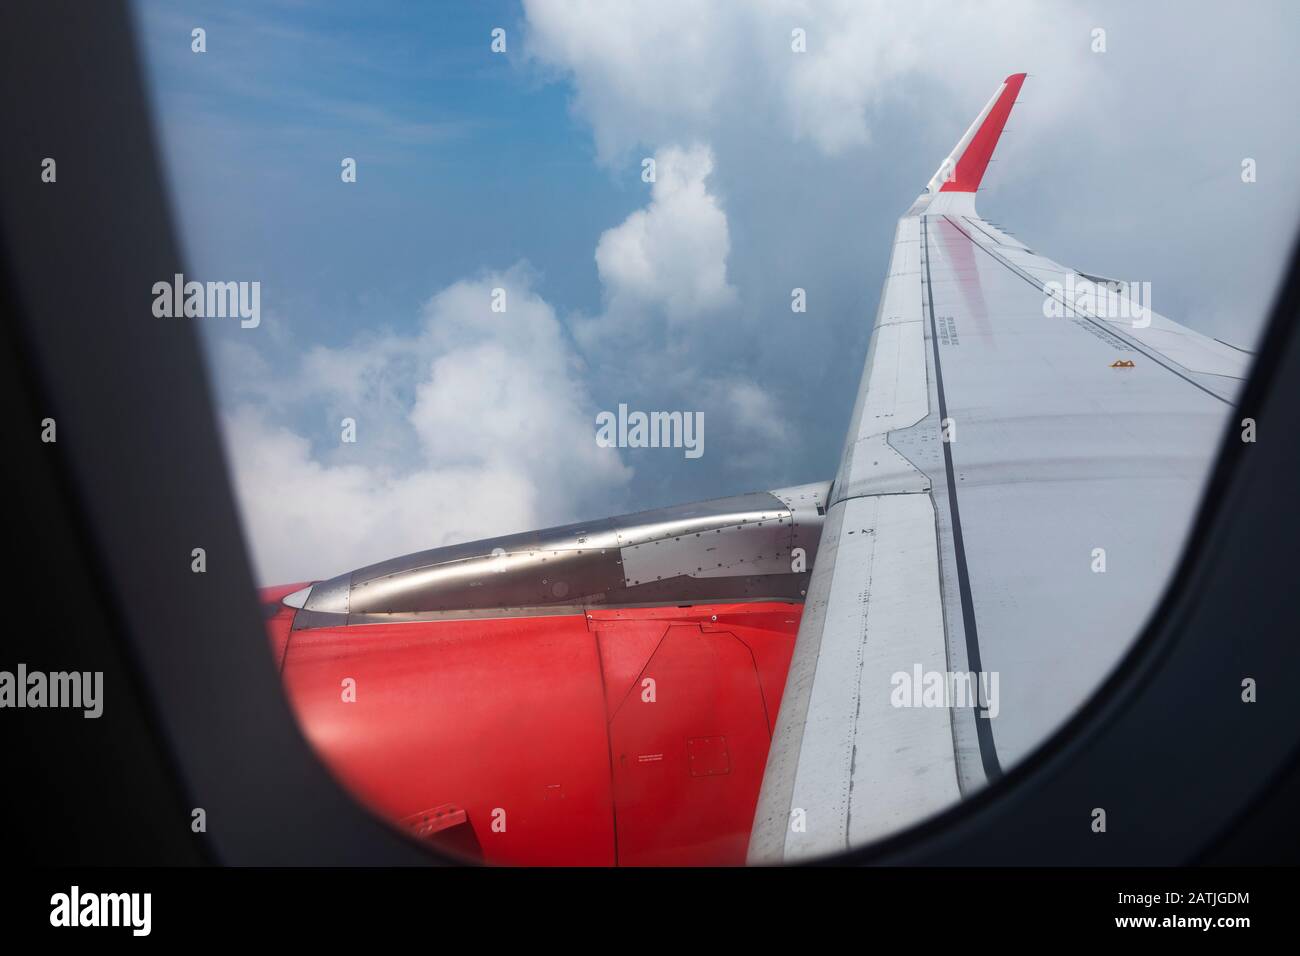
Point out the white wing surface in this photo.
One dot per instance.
(1026, 451)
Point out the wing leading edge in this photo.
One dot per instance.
(1026, 449)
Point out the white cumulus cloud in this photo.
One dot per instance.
(673, 253)
(650, 73)
(478, 425)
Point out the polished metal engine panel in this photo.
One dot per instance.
(748, 547)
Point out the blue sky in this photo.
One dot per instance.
(478, 171)
(464, 159)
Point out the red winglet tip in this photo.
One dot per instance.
(974, 160)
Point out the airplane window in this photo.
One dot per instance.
(637, 468)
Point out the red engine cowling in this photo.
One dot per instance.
(632, 736)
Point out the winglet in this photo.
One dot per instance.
(964, 168)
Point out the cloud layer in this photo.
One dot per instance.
(1124, 160)
(478, 425)
(774, 170)
(483, 422)
(649, 74)
(673, 253)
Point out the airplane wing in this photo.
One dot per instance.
(1025, 453)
